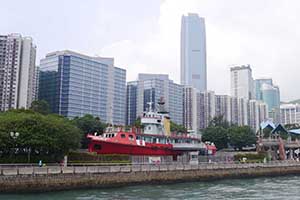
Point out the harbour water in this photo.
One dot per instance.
(284, 187)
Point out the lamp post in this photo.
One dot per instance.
(14, 136)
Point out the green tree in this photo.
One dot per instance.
(177, 128)
(138, 123)
(241, 136)
(218, 135)
(40, 106)
(219, 121)
(88, 124)
(43, 135)
(292, 126)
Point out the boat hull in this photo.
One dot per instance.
(104, 147)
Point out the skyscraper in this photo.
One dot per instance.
(75, 84)
(17, 72)
(267, 92)
(131, 100)
(151, 88)
(258, 83)
(242, 85)
(193, 52)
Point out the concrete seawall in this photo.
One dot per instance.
(32, 179)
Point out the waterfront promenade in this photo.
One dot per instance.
(51, 178)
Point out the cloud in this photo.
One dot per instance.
(261, 33)
(144, 36)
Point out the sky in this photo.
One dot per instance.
(144, 36)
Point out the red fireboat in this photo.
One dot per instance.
(154, 140)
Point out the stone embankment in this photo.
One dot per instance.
(32, 179)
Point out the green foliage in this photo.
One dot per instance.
(218, 135)
(219, 121)
(241, 136)
(177, 128)
(292, 126)
(88, 125)
(250, 156)
(42, 135)
(221, 133)
(40, 106)
(85, 157)
(267, 132)
(138, 123)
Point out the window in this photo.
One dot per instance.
(130, 137)
(123, 136)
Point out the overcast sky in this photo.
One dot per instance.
(144, 36)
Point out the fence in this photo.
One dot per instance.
(52, 170)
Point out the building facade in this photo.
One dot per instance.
(193, 52)
(290, 114)
(242, 85)
(206, 108)
(258, 84)
(131, 102)
(223, 107)
(153, 87)
(190, 113)
(17, 72)
(75, 84)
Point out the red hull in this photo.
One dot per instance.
(104, 147)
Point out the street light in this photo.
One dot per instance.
(14, 135)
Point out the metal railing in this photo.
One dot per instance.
(51, 170)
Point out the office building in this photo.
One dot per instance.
(267, 92)
(75, 84)
(290, 114)
(271, 96)
(242, 85)
(131, 102)
(153, 87)
(257, 85)
(193, 52)
(17, 72)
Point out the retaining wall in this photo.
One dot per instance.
(32, 179)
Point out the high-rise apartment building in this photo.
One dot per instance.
(190, 106)
(17, 72)
(258, 112)
(151, 88)
(290, 114)
(223, 107)
(193, 52)
(75, 84)
(206, 108)
(242, 85)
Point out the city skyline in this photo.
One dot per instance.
(150, 40)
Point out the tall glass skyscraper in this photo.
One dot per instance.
(75, 84)
(270, 94)
(193, 52)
